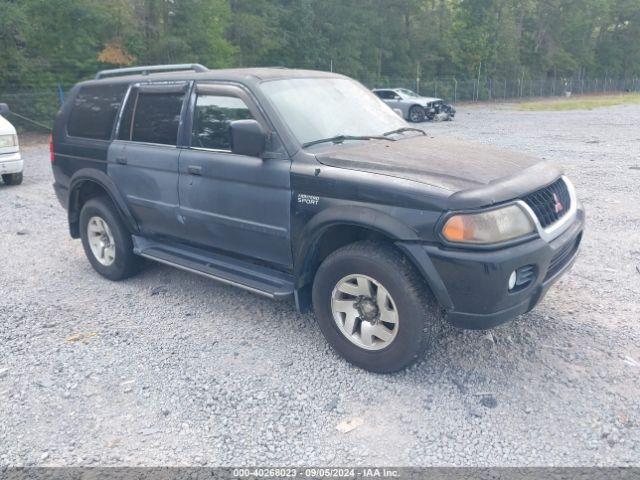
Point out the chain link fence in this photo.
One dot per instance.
(38, 104)
(491, 89)
(41, 104)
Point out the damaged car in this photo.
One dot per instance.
(415, 108)
(302, 186)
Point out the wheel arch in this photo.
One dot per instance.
(89, 183)
(334, 228)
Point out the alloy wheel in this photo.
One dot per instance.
(101, 241)
(364, 312)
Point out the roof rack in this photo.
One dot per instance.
(196, 67)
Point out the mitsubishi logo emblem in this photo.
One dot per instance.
(557, 204)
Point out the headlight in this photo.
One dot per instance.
(8, 141)
(493, 226)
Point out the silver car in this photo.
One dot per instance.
(414, 107)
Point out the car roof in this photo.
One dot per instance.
(239, 75)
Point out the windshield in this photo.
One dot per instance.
(408, 93)
(319, 108)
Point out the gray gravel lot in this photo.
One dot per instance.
(168, 368)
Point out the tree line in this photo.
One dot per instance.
(46, 42)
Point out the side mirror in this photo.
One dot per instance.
(4, 109)
(247, 138)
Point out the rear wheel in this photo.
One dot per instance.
(416, 114)
(373, 307)
(106, 240)
(12, 178)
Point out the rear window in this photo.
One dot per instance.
(94, 111)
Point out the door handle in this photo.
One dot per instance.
(121, 160)
(194, 170)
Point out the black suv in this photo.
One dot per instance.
(304, 184)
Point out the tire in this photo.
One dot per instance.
(12, 178)
(121, 263)
(416, 114)
(409, 299)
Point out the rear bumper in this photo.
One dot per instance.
(11, 163)
(472, 286)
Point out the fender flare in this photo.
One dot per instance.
(402, 236)
(348, 216)
(106, 183)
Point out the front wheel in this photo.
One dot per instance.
(373, 307)
(12, 178)
(416, 114)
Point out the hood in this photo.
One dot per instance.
(5, 127)
(473, 173)
(425, 99)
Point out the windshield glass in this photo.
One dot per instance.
(408, 93)
(319, 108)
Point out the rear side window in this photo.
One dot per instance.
(211, 119)
(94, 111)
(152, 117)
(385, 94)
(152, 114)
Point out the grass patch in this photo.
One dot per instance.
(584, 102)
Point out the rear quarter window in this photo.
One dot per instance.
(94, 111)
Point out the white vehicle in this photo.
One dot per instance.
(10, 160)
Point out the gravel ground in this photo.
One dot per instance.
(169, 368)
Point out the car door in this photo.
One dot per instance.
(143, 160)
(234, 203)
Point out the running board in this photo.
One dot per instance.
(255, 278)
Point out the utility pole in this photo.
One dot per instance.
(478, 82)
(455, 90)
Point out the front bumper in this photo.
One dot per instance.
(472, 286)
(11, 163)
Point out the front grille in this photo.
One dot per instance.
(550, 203)
(562, 257)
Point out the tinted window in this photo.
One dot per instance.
(211, 120)
(94, 111)
(156, 118)
(386, 94)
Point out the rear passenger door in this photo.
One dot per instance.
(235, 203)
(143, 160)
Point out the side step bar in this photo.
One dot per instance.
(255, 278)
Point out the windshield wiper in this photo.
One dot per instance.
(405, 129)
(342, 138)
